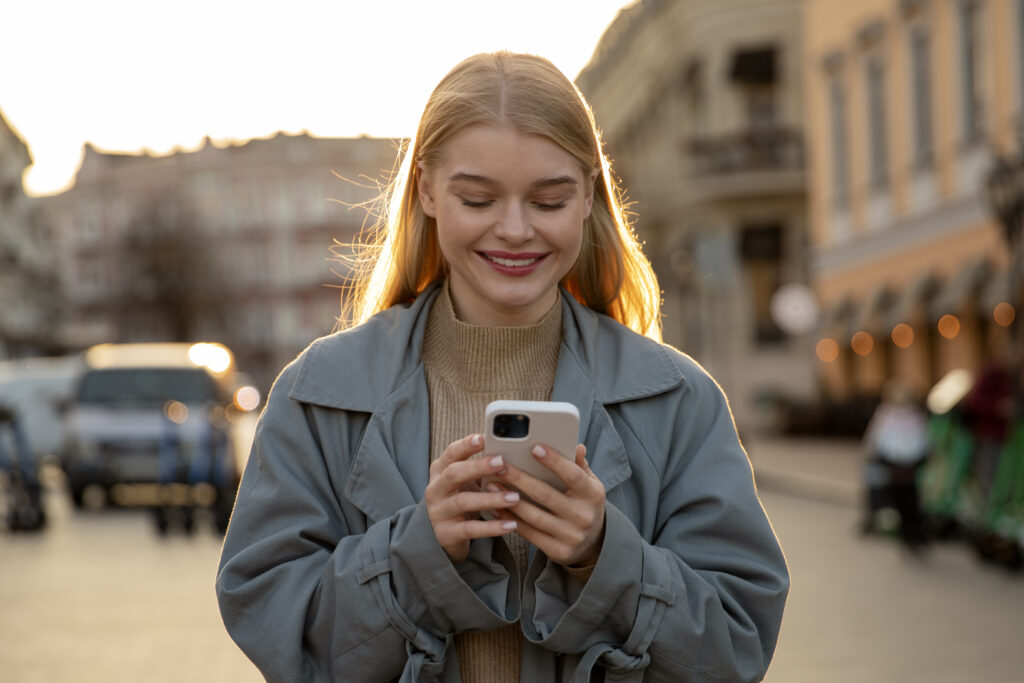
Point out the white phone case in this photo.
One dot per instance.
(551, 423)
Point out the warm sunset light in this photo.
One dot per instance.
(903, 335)
(126, 78)
(827, 350)
(862, 343)
(949, 326)
(1004, 314)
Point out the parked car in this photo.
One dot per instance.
(38, 389)
(154, 424)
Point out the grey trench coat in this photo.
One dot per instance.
(330, 570)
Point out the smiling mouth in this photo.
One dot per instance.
(521, 262)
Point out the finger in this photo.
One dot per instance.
(581, 457)
(457, 451)
(454, 533)
(462, 474)
(537, 489)
(472, 503)
(576, 478)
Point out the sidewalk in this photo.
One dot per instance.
(814, 467)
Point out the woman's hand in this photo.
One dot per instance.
(571, 530)
(454, 500)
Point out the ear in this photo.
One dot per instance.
(426, 191)
(589, 198)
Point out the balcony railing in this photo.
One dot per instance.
(748, 151)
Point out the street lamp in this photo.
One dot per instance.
(1004, 188)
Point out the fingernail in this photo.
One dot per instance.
(539, 452)
(475, 441)
(511, 497)
(508, 526)
(493, 488)
(496, 461)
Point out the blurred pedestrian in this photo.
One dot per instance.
(897, 444)
(987, 411)
(505, 269)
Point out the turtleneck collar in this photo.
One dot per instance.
(478, 358)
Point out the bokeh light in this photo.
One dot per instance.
(949, 326)
(176, 412)
(1004, 314)
(827, 350)
(247, 398)
(862, 343)
(214, 357)
(903, 335)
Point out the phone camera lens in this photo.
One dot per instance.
(511, 426)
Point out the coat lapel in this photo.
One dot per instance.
(605, 451)
(392, 465)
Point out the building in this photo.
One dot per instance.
(225, 243)
(29, 300)
(907, 103)
(700, 104)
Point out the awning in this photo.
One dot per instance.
(871, 316)
(912, 301)
(835, 317)
(999, 287)
(753, 66)
(967, 283)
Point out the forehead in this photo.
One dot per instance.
(506, 155)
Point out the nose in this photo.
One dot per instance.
(514, 224)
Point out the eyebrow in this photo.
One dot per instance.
(543, 182)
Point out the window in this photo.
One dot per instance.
(755, 71)
(970, 105)
(876, 123)
(920, 64)
(837, 102)
(761, 250)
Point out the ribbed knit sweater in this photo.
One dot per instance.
(467, 367)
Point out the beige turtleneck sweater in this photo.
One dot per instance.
(467, 367)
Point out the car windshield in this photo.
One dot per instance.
(147, 386)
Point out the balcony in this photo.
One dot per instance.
(749, 163)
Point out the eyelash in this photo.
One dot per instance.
(487, 203)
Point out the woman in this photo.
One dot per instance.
(505, 269)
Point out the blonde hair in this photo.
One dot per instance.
(399, 256)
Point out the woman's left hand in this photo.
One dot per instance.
(571, 530)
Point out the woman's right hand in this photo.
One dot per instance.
(454, 500)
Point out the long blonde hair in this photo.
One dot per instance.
(399, 256)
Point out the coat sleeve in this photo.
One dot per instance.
(312, 592)
(697, 598)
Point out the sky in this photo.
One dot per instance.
(129, 76)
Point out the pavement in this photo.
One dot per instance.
(825, 469)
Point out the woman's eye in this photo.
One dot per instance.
(545, 206)
(476, 203)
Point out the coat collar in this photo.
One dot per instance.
(614, 363)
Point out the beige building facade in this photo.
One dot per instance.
(701, 108)
(908, 102)
(29, 299)
(224, 243)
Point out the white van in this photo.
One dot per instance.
(159, 414)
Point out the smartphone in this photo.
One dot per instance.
(513, 428)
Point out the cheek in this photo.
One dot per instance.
(453, 232)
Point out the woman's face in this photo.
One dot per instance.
(509, 209)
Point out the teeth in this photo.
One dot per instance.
(511, 263)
